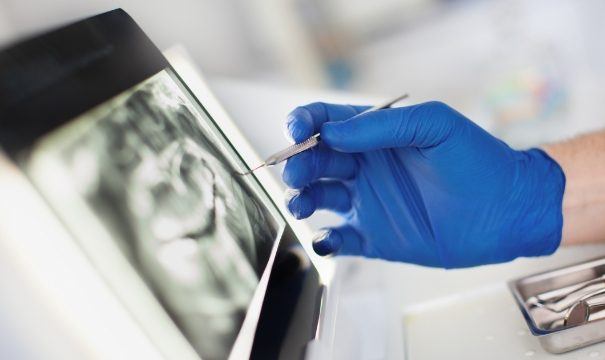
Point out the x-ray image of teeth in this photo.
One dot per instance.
(193, 228)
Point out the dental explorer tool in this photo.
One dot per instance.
(313, 141)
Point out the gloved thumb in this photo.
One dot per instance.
(423, 125)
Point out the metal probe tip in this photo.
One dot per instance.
(253, 170)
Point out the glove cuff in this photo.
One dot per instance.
(549, 187)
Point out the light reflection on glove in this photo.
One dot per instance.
(422, 184)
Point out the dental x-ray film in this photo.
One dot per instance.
(152, 169)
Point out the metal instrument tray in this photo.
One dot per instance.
(555, 333)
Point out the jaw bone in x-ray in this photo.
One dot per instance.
(191, 226)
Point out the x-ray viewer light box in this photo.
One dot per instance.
(147, 184)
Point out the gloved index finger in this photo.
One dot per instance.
(304, 121)
(422, 126)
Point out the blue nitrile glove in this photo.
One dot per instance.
(422, 184)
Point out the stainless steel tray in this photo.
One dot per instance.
(557, 337)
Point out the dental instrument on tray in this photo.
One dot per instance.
(313, 141)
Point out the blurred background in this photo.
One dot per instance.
(528, 70)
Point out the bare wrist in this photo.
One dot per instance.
(582, 160)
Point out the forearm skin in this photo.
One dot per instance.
(583, 162)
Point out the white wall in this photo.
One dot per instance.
(6, 26)
(212, 30)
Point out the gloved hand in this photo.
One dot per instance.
(422, 184)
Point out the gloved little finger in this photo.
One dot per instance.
(328, 195)
(343, 240)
